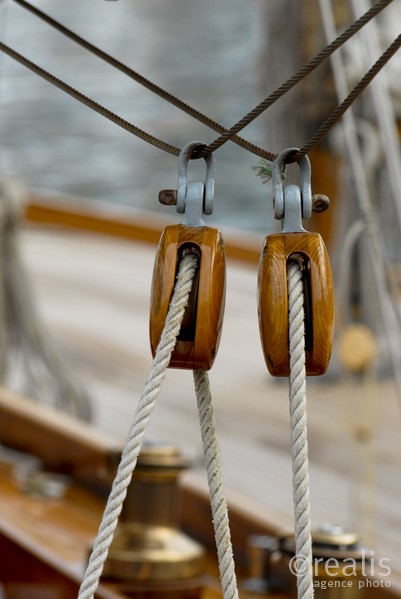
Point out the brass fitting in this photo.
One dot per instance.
(148, 548)
(338, 565)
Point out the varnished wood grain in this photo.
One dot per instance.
(47, 560)
(273, 301)
(198, 347)
(43, 543)
(62, 442)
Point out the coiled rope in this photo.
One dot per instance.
(135, 438)
(299, 439)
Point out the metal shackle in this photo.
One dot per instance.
(182, 182)
(279, 190)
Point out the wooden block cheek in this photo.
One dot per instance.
(210, 297)
(163, 282)
(275, 272)
(170, 251)
(322, 302)
(208, 292)
(198, 346)
(317, 290)
(273, 301)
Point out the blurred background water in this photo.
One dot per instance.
(209, 54)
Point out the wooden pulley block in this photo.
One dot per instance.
(309, 249)
(199, 338)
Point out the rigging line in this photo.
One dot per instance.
(158, 143)
(4, 21)
(385, 111)
(299, 431)
(349, 100)
(139, 426)
(156, 89)
(253, 148)
(218, 501)
(162, 145)
(374, 244)
(290, 83)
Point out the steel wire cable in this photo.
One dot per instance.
(291, 82)
(228, 134)
(349, 100)
(198, 153)
(131, 128)
(153, 87)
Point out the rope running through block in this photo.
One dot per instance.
(138, 427)
(299, 439)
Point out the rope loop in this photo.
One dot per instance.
(136, 434)
(139, 426)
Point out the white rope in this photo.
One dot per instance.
(374, 240)
(344, 273)
(217, 498)
(299, 439)
(44, 374)
(138, 427)
(382, 104)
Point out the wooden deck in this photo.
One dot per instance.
(93, 292)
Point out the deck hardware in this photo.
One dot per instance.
(168, 197)
(320, 203)
(199, 338)
(279, 191)
(149, 550)
(340, 563)
(292, 205)
(262, 553)
(182, 187)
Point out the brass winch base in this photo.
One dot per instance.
(337, 565)
(337, 561)
(153, 553)
(148, 550)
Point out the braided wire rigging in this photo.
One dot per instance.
(291, 82)
(153, 87)
(228, 134)
(203, 151)
(108, 114)
(349, 100)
